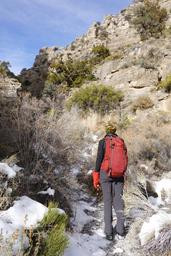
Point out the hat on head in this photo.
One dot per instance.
(111, 127)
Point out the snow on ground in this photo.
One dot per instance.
(153, 227)
(24, 214)
(75, 170)
(49, 191)
(80, 217)
(9, 171)
(163, 187)
(86, 245)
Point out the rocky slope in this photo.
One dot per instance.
(8, 98)
(135, 67)
(114, 32)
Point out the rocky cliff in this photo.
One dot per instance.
(137, 66)
(47, 136)
(8, 98)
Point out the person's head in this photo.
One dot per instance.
(111, 127)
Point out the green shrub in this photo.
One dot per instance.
(150, 19)
(49, 239)
(100, 52)
(143, 102)
(4, 69)
(72, 73)
(165, 84)
(99, 98)
(56, 241)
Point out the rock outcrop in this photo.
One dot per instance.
(114, 32)
(8, 99)
(8, 88)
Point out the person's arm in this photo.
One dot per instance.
(99, 159)
(100, 155)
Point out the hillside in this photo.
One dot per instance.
(52, 117)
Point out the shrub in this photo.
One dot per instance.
(49, 237)
(56, 240)
(99, 98)
(150, 19)
(143, 102)
(147, 140)
(100, 52)
(165, 84)
(72, 73)
(5, 70)
(35, 134)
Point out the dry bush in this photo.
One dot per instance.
(131, 244)
(161, 245)
(136, 195)
(7, 141)
(149, 19)
(165, 84)
(147, 141)
(37, 136)
(143, 102)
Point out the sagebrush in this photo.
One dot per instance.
(149, 19)
(99, 98)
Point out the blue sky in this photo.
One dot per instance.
(28, 25)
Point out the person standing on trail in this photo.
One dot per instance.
(111, 165)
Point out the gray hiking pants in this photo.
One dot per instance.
(112, 196)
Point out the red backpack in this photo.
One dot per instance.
(115, 159)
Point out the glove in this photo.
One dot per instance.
(96, 179)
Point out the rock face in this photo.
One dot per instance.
(8, 88)
(139, 71)
(8, 98)
(135, 66)
(114, 32)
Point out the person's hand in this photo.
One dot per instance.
(96, 179)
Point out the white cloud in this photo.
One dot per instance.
(63, 16)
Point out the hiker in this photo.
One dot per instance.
(111, 165)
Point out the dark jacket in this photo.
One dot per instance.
(101, 153)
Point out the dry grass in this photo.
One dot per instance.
(143, 102)
(37, 136)
(147, 142)
(136, 195)
(161, 245)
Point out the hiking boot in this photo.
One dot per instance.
(109, 237)
(119, 237)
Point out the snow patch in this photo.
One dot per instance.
(90, 172)
(5, 169)
(9, 171)
(24, 214)
(75, 170)
(118, 250)
(85, 245)
(94, 138)
(80, 217)
(163, 189)
(17, 168)
(49, 191)
(152, 228)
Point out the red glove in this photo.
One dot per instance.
(96, 179)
